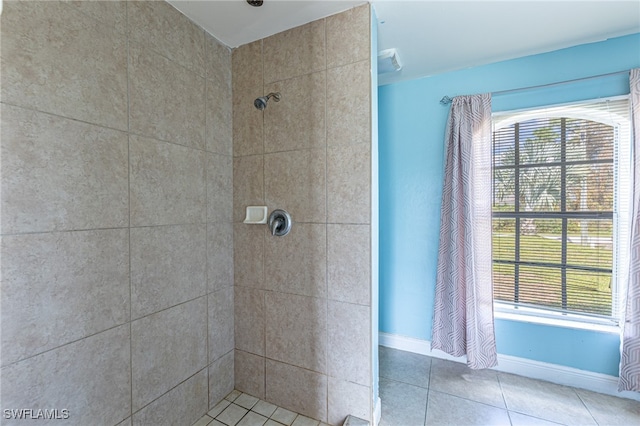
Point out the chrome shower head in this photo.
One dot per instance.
(261, 102)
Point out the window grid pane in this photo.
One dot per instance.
(552, 243)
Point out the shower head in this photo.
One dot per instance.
(261, 102)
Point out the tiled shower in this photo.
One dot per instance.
(132, 293)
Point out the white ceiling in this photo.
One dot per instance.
(431, 36)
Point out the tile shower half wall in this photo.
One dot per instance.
(303, 301)
(116, 213)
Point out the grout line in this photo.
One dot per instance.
(129, 215)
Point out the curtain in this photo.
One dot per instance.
(463, 312)
(630, 354)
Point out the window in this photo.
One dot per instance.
(558, 201)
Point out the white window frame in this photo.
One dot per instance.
(622, 173)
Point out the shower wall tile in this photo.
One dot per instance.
(247, 66)
(295, 182)
(167, 183)
(219, 116)
(295, 52)
(346, 398)
(249, 373)
(168, 266)
(221, 330)
(297, 121)
(219, 256)
(61, 174)
(159, 26)
(183, 404)
(221, 379)
(89, 377)
(296, 330)
(297, 389)
(249, 320)
(349, 263)
(85, 76)
(167, 348)
(111, 13)
(348, 36)
(349, 184)
(177, 112)
(247, 121)
(219, 188)
(217, 60)
(349, 342)
(248, 184)
(297, 264)
(248, 247)
(82, 278)
(348, 104)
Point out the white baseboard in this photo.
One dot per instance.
(560, 374)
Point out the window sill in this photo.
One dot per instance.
(535, 316)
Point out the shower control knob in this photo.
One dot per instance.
(279, 223)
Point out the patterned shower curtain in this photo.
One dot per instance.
(463, 312)
(630, 354)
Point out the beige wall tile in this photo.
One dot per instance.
(297, 121)
(248, 247)
(349, 342)
(247, 121)
(294, 52)
(60, 174)
(348, 36)
(219, 188)
(168, 267)
(249, 320)
(295, 181)
(219, 256)
(167, 348)
(167, 183)
(83, 77)
(297, 389)
(349, 104)
(217, 60)
(90, 378)
(220, 379)
(349, 263)
(61, 287)
(219, 115)
(248, 184)
(296, 330)
(346, 398)
(349, 184)
(297, 262)
(247, 66)
(249, 373)
(159, 26)
(112, 13)
(183, 404)
(176, 113)
(221, 330)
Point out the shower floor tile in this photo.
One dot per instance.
(241, 409)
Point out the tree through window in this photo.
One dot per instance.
(553, 209)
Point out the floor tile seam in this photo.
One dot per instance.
(403, 382)
(584, 404)
(426, 407)
(470, 400)
(534, 416)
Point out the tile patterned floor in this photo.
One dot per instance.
(241, 409)
(417, 390)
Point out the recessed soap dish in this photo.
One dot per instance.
(256, 215)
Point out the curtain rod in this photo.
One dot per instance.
(447, 100)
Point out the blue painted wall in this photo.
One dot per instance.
(411, 150)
